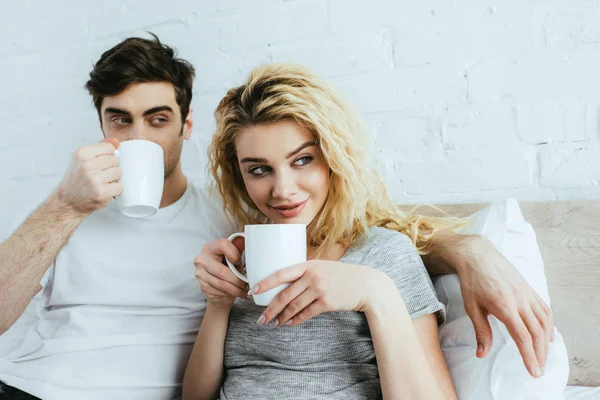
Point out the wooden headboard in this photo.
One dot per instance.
(568, 234)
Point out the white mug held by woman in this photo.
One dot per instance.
(269, 248)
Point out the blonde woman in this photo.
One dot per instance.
(360, 319)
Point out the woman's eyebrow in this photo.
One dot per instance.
(303, 146)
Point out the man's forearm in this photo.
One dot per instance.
(28, 252)
(449, 252)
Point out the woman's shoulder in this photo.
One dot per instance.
(378, 237)
(383, 242)
(394, 254)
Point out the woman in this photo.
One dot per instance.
(287, 150)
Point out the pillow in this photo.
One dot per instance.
(501, 375)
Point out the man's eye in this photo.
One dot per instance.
(159, 120)
(258, 171)
(121, 121)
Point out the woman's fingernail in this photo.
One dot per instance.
(538, 372)
(261, 320)
(479, 348)
(290, 322)
(253, 290)
(274, 323)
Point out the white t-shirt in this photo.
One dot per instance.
(120, 307)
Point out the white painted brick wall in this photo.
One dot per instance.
(467, 100)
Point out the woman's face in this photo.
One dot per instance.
(284, 173)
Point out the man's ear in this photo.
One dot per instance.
(188, 124)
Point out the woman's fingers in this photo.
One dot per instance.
(222, 272)
(224, 248)
(281, 301)
(296, 307)
(312, 310)
(221, 285)
(208, 263)
(285, 275)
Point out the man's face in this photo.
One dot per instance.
(148, 111)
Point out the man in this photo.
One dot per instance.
(102, 306)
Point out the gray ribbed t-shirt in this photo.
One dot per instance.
(330, 356)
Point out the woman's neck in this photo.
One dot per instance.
(333, 253)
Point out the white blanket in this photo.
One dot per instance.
(582, 393)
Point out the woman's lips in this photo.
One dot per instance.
(291, 210)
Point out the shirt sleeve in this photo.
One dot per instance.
(395, 255)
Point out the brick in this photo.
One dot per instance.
(545, 122)
(204, 106)
(70, 65)
(130, 17)
(408, 133)
(25, 195)
(203, 42)
(541, 77)
(434, 38)
(46, 99)
(389, 176)
(363, 52)
(229, 5)
(479, 126)
(294, 21)
(570, 24)
(581, 121)
(347, 15)
(570, 165)
(36, 33)
(222, 75)
(506, 169)
(190, 156)
(52, 161)
(17, 163)
(404, 87)
(541, 123)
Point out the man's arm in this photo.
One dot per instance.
(28, 252)
(491, 285)
(89, 184)
(450, 251)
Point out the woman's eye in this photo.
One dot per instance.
(258, 171)
(303, 161)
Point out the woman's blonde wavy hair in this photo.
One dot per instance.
(357, 198)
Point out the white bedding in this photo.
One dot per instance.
(582, 393)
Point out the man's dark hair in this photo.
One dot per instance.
(137, 60)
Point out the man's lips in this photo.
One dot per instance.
(290, 210)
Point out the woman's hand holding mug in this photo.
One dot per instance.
(319, 286)
(217, 282)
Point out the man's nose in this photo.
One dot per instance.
(138, 132)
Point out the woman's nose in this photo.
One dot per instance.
(285, 186)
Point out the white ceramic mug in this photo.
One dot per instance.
(269, 248)
(143, 177)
